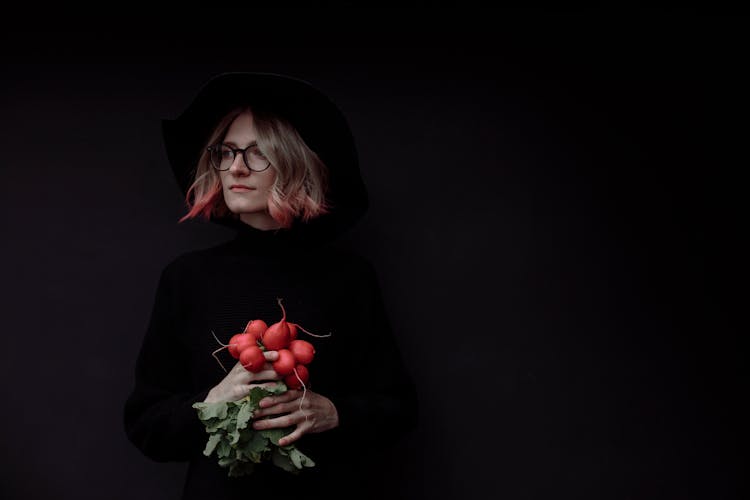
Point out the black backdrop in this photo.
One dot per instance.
(555, 223)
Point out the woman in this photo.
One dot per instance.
(274, 159)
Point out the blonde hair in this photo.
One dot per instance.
(302, 178)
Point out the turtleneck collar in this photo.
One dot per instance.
(246, 232)
(298, 238)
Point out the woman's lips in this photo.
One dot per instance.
(241, 188)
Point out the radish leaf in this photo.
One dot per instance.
(211, 445)
(282, 461)
(238, 446)
(275, 434)
(211, 410)
(243, 416)
(223, 449)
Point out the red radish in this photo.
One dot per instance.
(246, 341)
(293, 331)
(232, 347)
(285, 364)
(303, 351)
(292, 381)
(252, 358)
(256, 328)
(277, 335)
(236, 343)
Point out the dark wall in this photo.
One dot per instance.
(554, 218)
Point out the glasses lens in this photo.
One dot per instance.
(221, 157)
(255, 159)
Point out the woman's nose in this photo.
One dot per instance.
(238, 164)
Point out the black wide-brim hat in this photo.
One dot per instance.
(320, 123)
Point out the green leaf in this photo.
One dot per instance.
(299, 459)
(243, 415)
(283, 461)
(284, 450)
(214, 424)
(211, 445)
(279, 388)
(275, 434)
(294, 455)
(239, 446)
(234, 406)
(258, 393)
(240, 469)
(234, 436)
(207, 411)
(255, 447)
(223, 449)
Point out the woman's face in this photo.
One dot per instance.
(251, 204)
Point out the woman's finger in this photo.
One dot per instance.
(266, 374)
(292, 436)
(272, 423)
(271, 355)
(278, 409)
(290, 395)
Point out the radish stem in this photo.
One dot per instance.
(279, 299)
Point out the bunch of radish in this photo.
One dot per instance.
(294, 354)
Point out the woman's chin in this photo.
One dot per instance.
(240, 208)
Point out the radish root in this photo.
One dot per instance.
(314, 335)
(217, 350)
(279, 299)
(304, 391)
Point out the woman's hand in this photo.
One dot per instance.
(237, 383)
(317, 413)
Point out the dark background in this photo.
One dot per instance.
(555, 219)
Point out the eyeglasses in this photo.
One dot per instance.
(222, 157)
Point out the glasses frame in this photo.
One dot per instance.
(234, 151)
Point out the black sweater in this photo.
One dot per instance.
(325, 289)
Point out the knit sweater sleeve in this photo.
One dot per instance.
(381, 402)
(158, 415)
